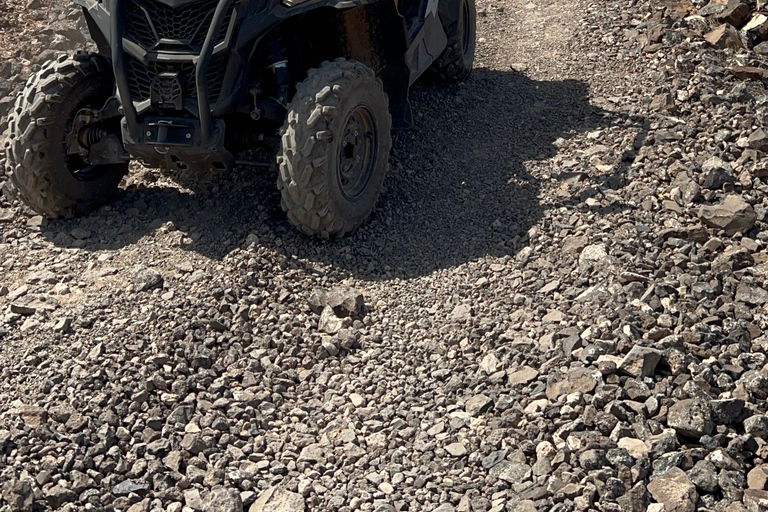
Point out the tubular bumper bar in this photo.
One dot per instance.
(201, 69)
(118, 66)
(201, 63)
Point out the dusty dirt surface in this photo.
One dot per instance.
(563, 290)
(31, 32)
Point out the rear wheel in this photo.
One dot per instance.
(334, 149)
(459, 20)
(64, 158)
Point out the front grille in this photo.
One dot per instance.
(216, 70)
(140, 77)
(147, 22)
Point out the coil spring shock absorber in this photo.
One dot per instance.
(90, 135)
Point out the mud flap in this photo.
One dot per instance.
(427, 45)
(397, 84)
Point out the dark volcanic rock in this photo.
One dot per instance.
(691, 417)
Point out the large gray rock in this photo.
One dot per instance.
(461, 313)
(640, 361)
(513, 472)
(757, 478)
(732, 484)
(128, 486)
(751, 294)
(575, 244)
(759, 139)
(522, 375)
(478, 404)
(724, 36)
(32, 415)
(576, 379)
(329, 323)
(733, 216)
(735, 15)
(276, 499)
(344, 301)
(223, 500)
(193, 443)
(311, 453)
(756, 500)
(761, 49)
(691, 417)
(755, 382)
(674, 490)
(80, 481)
(145, 278)
(704, 476)
(756, 425)
(58, 495)
(593, 253)
(18, 495)
(727, 411)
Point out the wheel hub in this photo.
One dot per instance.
(91, 147)
(357, 153)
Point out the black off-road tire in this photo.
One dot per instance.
(309, 180)
(459, 19)
(37, 129)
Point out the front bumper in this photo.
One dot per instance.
(164, 67)
(178, 143)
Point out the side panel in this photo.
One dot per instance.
(429, 43)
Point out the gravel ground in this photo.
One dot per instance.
(558, 305)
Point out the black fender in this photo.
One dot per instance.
(424, 43)
(97, 19)
(369, 31)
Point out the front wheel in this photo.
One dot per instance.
(64, 158)
(334, 149)
(459, 20)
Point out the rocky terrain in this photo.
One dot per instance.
(559, 304)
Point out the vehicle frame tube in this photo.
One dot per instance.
(118, 67)
(201, 70)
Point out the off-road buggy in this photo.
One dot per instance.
(192, 84)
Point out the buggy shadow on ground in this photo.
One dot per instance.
(459, 187)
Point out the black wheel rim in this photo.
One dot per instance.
(357, 153)
(466, 35)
